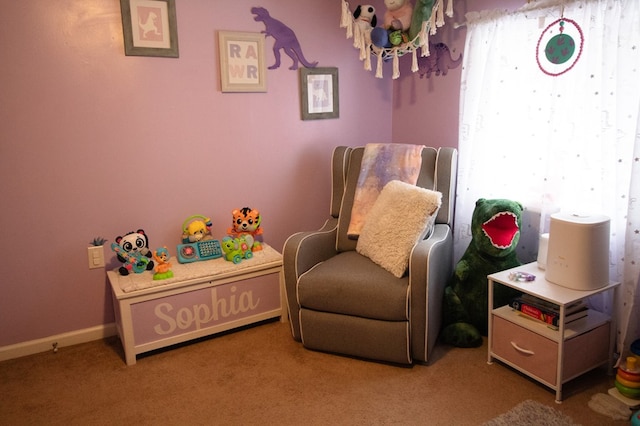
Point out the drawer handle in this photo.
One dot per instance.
(519, 349)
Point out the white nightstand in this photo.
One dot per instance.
(552, 357)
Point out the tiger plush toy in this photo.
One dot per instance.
(246, 223)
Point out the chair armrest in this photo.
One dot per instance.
(301, 252)
(430, 266)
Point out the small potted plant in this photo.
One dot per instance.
(98, 241)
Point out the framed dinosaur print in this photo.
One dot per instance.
(242, 64)
(149, 28)
(319, 93)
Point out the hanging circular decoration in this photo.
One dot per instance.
(559, 47)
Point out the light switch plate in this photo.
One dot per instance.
(96, 257)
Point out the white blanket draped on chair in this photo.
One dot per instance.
(382, 163)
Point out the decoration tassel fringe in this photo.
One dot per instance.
(425, 49)
(358, 38)
(396, 65)
(449, 11)
(424, 39)
(346, 19)
(367, 59)
(414, 60)
(379, 66)
(344, 15)
(440, 14)
(364, 50)
(432, 21)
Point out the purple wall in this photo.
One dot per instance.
(93, 142)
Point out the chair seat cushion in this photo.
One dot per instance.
(351, 284)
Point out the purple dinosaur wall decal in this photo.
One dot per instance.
(439, 61)
(284, 37)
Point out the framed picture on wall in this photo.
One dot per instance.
(149, 28)
(319, 94)
(242, 62)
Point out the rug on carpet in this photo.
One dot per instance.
(531, 413)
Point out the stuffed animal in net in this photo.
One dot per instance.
(366, 19)
(495, 232)
(246, 224)
(398, 14)
(395, 24)
(421, 13)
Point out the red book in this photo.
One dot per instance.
(537, 313)
(544, 314)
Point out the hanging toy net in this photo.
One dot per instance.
(428, 16)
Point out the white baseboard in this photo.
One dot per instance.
(58, 341)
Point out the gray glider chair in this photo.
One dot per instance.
(342, 302)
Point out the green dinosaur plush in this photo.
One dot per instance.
(495, 231)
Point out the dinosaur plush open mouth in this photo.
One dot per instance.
(501, 229)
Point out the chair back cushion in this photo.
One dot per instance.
(339, 167)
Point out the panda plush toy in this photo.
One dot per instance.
(134, 245)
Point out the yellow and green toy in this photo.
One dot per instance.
(628, 378)
(236, 249)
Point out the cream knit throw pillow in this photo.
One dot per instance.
(402, 215)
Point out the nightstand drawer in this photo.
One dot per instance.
(525, 349)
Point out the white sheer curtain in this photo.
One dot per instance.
(569, 142)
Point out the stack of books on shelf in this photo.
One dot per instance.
(547, 312)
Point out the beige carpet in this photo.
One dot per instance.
(260, 376)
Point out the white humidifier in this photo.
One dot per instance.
(578, 251)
